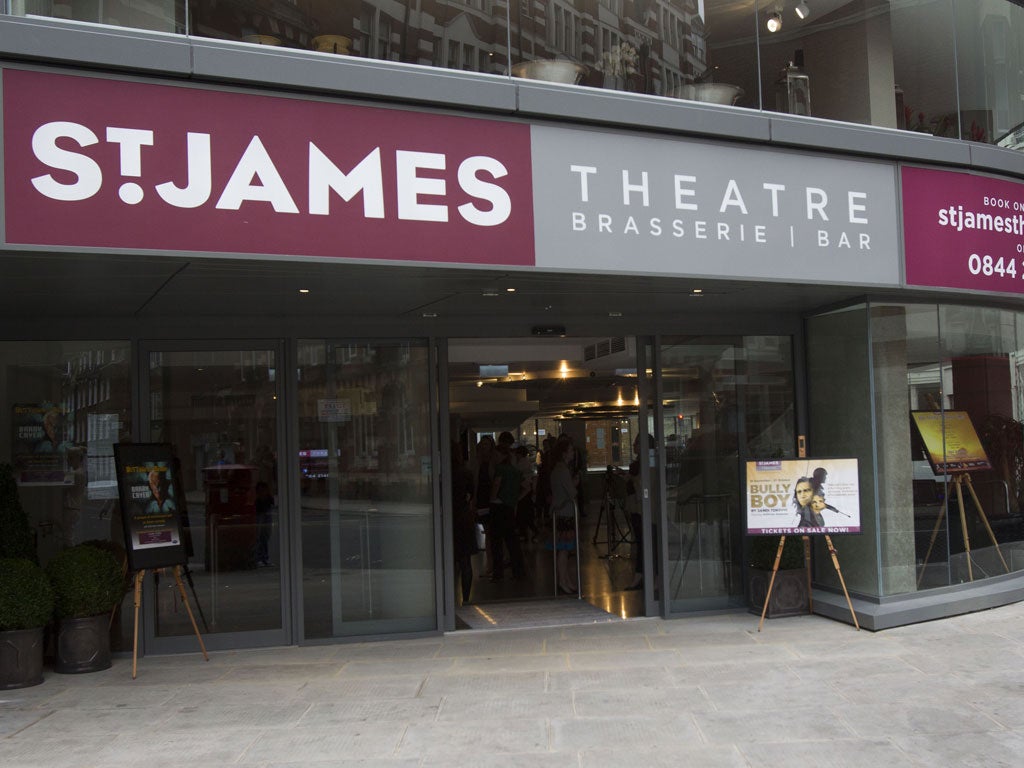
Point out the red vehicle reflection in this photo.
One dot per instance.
(230, 492)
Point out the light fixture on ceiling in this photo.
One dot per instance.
(510, 290)
(303, 290)
(802, 11)
(774, 23)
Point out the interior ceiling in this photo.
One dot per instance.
(104, 286)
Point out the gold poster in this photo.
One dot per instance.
(951, 441)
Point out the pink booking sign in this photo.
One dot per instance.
(962, 230)
(101, 163)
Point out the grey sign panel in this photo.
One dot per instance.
(619, 203)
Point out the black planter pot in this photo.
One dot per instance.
(789, 592)
(21, 658)
(83, 645)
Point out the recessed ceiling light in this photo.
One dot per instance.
(698, 291)
(430, 314)
(490, 293)
(614, 314)
(510, 290)
(303, 290)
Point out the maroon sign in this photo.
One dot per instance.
(100, 163)
(963, 231)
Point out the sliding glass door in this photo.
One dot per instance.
(724, 400)
(218, 405)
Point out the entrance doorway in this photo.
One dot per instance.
(531, 392)
(725, 399)
(218, 406)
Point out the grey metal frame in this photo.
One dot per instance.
(225, 640)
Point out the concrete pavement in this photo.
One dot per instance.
(704, 691)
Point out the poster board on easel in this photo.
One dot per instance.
(150, 489)
(951, 442)
(803, 497)
(152, 507)
(954, 450)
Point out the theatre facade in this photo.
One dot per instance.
(313, 267)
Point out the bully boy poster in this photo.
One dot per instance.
(151, 513)
(802, 497)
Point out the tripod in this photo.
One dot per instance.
(961, 479)
(614, 499)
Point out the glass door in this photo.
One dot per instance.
(218, 406)
(724, 399)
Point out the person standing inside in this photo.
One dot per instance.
(463, 522)
(482, 478)
(525, 523)
(502, 535)
(634, 491)
(563, 511)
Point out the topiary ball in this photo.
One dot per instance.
(26, 597)
(87, 581)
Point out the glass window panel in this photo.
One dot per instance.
(990, 61)
(154, 15)
(766, 385)
(716, 54)
(218, 408)
(933, 527)
(721, 397)
(981, 360)
(836, 63)
(367, 493)
(63, 405)
(682, 48)
(924, 66)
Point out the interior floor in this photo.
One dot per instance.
(606, 573)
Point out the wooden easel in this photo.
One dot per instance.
(807, 552)
(138, 601)
(961, 479)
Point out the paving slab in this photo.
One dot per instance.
(707, 691)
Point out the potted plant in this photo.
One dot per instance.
(789, 591)
(88, 583)
(26, 605)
